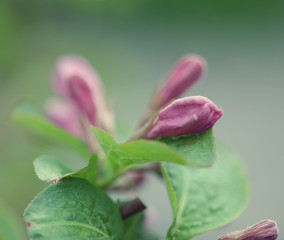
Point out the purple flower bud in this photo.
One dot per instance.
(64, 115)
(136, 177)
(75, 79)
(264, 230)
(82, 96)
(185, 73)
(183, 116)
(70, 66)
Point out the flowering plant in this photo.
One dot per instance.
(206, 183)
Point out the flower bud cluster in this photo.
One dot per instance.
(169, 116)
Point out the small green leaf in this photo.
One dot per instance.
(41, 127)
(10, 228)
(125, 156)
(134, 229)
(197, 148)
(206, 198)
(136, 152)
(90, 172)
(50, 168)
(73, 209)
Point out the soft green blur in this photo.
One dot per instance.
(133, 45)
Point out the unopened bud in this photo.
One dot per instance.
(64, 115)
(69, 66)
(264, 230)
(183, 116)
(82, 96)
(187, 71)
(75, 79)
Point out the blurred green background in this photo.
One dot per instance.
(133, 45)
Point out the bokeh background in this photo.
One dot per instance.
(133, 45)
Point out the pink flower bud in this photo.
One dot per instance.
(136, 177)
(69, 66)
(64, 115)
(82, 96)
(75, 80)
(185, 73)
(183, 116)
(264, 230)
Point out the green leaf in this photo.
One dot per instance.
(133, 229)
(89, 173)
(50, 168)
(127, 155)
(197, 148)
(10, 228)
(41, 127)
(206, 198)
(73, 209)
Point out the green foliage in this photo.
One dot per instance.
(38, 125)
(73, 209)
(10, 228)
(122, 157)
(50, 168)
(205, 199)
(197, 148)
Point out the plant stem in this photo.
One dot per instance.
(131, 208)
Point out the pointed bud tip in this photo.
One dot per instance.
(183, 116)
(68, 66)
(187, 71)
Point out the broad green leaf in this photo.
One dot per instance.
(206, 198)
(127, 155)
(73, 209)
(50, 168)
(41, 127)
(10, 228)
(197, 148)
(133, 229)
